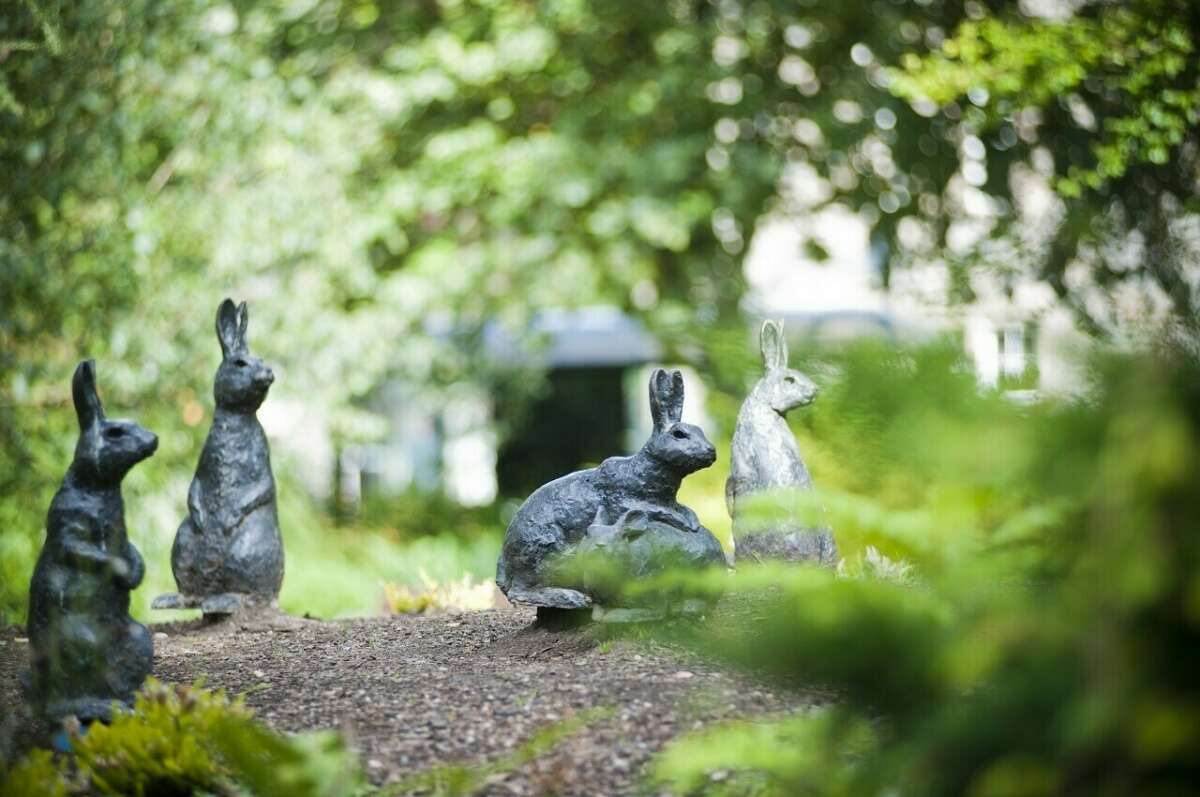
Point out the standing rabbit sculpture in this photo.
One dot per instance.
(765, 457)
(560, 516)
(87, 652)
(229, 545)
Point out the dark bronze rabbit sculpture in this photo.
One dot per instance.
(558, 516)
(765, 457)
(229, 546)
(87, 651)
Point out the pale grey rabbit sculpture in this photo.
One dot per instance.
(558, 516)
(229, 546)
(87, 652)
(765, 457)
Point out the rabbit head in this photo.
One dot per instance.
(681, 447)
(781, 388)
(107, 449)
(242, 380)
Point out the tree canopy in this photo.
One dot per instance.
(1105, 106)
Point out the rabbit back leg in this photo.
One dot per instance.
(92, 654)
(520, 572)
(196, 560)
(527, 547)
(254, 562)
(71, 659)
(130, 658)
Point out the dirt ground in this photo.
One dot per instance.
(414, 691)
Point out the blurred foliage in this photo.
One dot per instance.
(416, 514)
(162, 747)
(1105, 105)
(268, 764)
(36, 773)
(183, 740)
(357, 565)
(1040, 635)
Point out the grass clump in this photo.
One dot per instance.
(464, 595)
(187, 740)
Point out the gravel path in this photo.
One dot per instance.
(418, 690)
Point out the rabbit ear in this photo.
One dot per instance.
(666, 398)
(675, 401)
(227, 327)
(83, 390)
(657, 409)
(243, 320)
(773, 345)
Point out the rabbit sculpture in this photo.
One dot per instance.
(229, 545)
(87, 652)
(765, 457)
(559, 516)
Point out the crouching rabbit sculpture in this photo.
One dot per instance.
(625, 509)
(229, 546)
(87, 652)
(765, 457)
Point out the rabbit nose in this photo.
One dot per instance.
(152, 443)
(267, 376)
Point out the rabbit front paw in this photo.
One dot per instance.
(680, 518)
(118, 568)
(225, 522)
(134, 568)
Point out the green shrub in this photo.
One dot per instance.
(37, 773)
(1046, 642)
(184, 740)
(266, 764)
(163, 746)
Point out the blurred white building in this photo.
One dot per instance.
(1026, 341)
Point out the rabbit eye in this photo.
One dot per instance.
(791, 380)
(113, 432)
(240, 363)
(679, 434)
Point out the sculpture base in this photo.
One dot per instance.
(642, 614)
(601, 614)
(554, 619)
(85, 709)
(549, 597)
(215, 606)
(809, 545)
